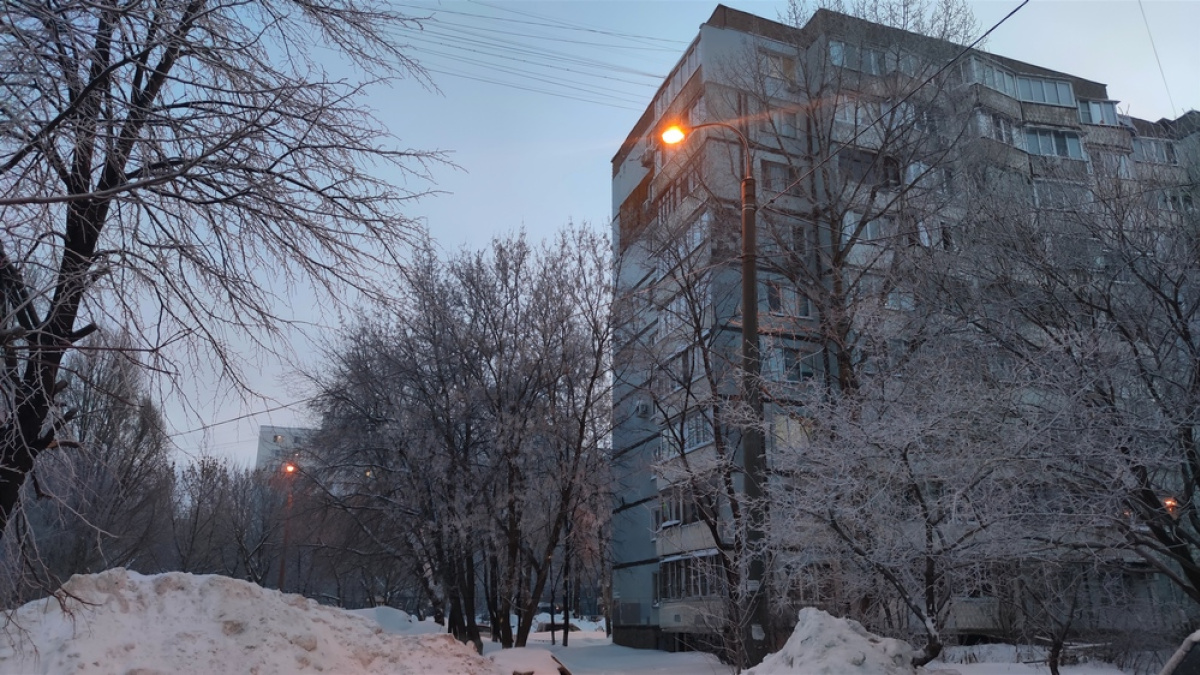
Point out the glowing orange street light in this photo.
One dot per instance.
(289, 470)
(673, 135)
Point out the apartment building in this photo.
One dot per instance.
(852, 128)
(279, 444)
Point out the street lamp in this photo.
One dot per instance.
(754, 461)
(289, 474)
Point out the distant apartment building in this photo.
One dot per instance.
(1056, 132)
(277, 445)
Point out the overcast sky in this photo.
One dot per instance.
(534, 98)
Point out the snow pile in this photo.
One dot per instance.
(398, 621)
(124, 622)
(525, 660)
(826, 645)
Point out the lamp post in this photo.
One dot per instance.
(754, 461)
(289, 474)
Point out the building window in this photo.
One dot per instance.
(868, 168)
(697, 431)
(934, 233)
(278, 438)
(691, 575)
(674, 315)
(1098, 112)
(779, 66)
(1051, 92)
(1053, 142)
(998, 128)
(693, 431)
(785, 300)
(797, 366)
(674, 192)
(777, 178)
(1173, 200)
(1061, 196)
(781, 123)
(1112, 165)
(1154, 150)
(854, 229)
(865, 59)
(994, 77)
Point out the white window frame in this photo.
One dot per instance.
(1044, 90)
(1154, 151)
(779, 66)
(1045, 142)
(1098, 113)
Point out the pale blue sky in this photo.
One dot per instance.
(536, 96)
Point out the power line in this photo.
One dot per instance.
(568, 74)
(239, 418)
(1157, 60)
(897, 105)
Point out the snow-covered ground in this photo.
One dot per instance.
(124, 622)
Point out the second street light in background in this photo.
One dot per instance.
(753, 448)
(289, 474)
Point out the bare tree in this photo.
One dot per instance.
(477, 411)
(101, 496)
(1090, 281)
(159, 160)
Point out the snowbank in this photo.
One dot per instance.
(826, 645)
(399, 622)
(525, 660)
(124, 622)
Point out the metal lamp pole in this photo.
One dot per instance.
(754, 461)
(289, 474)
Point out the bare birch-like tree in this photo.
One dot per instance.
(159, 162)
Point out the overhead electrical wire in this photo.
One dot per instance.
(965, 50)
(483, 50)
(474, 48)
(1153, 47)
(559, 23)
(471, 37)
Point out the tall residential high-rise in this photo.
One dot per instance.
(863, 139)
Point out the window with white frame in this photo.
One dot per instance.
(1054, 143)
(994, 77)
(926, 120)
(1062, 195)
(797, 364)
(851, 112)
(1098, 112)
(779, 66)
(1156, 150)
(862, 58)
(780, 122)
(688, 575)
(697, 430)
(685, 434)
(933, 233)
(876, 228)
(674, 315)
(777, 178)
(925, 177)
(1175, 200)
(998, 127)
(783, 299)
(1040, 90)
(1112, 165)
